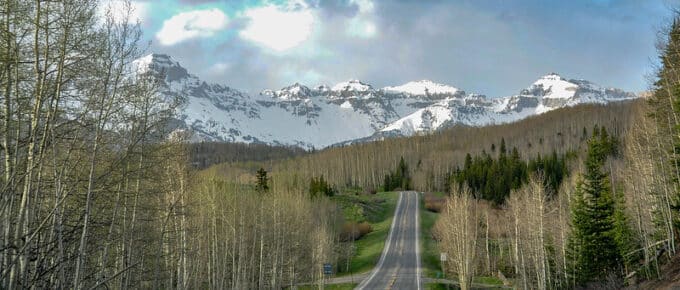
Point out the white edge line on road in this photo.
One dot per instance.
(417, 241)
(387, 246)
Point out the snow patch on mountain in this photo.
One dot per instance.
(421, 88)
(353, 110)
(548, 93)
(352, 86)
(295, 91)
(552, 86)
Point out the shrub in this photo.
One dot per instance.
(434, 203)
(353, 231)
(370, 191)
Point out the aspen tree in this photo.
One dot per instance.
(458, 227)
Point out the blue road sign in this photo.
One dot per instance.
(327, 269)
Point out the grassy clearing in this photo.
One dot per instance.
(487, 280)
(376, 209)
(429, 253)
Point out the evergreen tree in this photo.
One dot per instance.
(494, 179)
(319, 186)
(387, 184)
(624, 235)
(468, 162)
(261, 184)
(595, 252)
(399, 179)
(403, 172)
(584, 134)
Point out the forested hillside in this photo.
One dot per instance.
(433, 158)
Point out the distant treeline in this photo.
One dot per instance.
(205, 154)
(433, 158)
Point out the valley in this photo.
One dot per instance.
(226, 145)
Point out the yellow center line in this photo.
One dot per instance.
(394, 279)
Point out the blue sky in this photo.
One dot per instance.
(490, 47)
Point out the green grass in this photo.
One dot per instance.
(346, 286)
(435, 286)
(487, 280)
(360, 208)
(429, 252)
(378, 210)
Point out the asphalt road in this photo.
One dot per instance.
(399, 264)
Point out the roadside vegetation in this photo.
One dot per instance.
(430, 207)
(361, 255)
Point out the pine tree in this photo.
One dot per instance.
(399, 179)
(319, 186)
(387, 184)
(405, 182)
(595, 252)
(503, 150)
(261, 184)
(624, 235)
(584, 134)
(494, 179)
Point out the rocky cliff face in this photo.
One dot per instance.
(353, 110)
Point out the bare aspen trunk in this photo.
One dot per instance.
(486, 242)
(458, 228)
(21, 227)
(80, 260)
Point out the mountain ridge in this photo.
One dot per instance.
(321, 116)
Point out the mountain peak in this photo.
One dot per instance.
(551, 85)
(552, 76)
(295, 85)
(160, 64)
(156, 59)
(422, 87)
(352, 85)
(296, 91)
(320, 116)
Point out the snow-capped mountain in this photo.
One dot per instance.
(325, 115)
(422, 88)
(548, 93)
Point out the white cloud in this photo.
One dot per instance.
(219, 68)
(295, 73)
(278, 28)
(362, 24)
(136, 11)
(365, 6)
(361, 28)
(192, 24)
